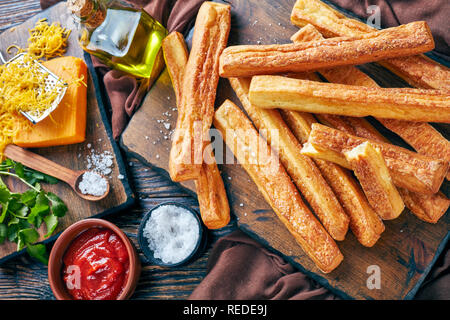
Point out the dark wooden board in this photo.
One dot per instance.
(408, 248)
(98, 135)
(25, 278)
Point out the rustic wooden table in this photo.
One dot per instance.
(24, 278)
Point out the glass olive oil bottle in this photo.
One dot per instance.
(122, 37)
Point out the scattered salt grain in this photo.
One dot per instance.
(100, 162)
(172, 233)
(167, 126)
(93, 184)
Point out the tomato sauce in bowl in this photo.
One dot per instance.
(96, 265)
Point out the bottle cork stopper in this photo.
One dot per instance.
(90, 11)
(81, 8)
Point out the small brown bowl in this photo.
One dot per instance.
(55, 262)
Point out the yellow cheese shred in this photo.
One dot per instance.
(47, 41)
(22, 89)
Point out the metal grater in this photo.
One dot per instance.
(50, 84)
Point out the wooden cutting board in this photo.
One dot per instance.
(407, 249)
(98, 138)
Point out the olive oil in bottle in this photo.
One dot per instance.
(123, 38)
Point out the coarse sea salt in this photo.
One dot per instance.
(93, 184)
(100, 162)
(172, 233)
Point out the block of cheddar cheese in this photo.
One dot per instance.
(67, 124)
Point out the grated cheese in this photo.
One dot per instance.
(22, 89)
(47, 41)
(22, 86)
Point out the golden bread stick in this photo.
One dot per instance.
(211, 194)
(176, 56)
(200, 79)
(355, 126)
(249, 60)
(301, 168)
(427, 207)
(364, 222)
(408, 169)
(418, 70)
(212, 198)
(276, 186)
(423, 137)
(345, 75)
(325, 153)
(370, 168)
(357, 101)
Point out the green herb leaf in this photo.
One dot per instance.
(29, 178)
(5, 194)
(19, 169)
(59, 208)
(13, 229)
(26, 236)
(34, 218)
(22, 213)
(9, 162)
(50, 180)
(3, 233)
(4, 212)
(51, 221)
(13, 221)
(29, 197)
(38, 251)
(33, 176)
(41, 207)
(14, 203)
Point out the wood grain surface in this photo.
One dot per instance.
(24, 278)
(407, 248)
(73, 156)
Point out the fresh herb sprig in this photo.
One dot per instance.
(23, 213)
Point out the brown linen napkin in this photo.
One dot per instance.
(126, 92)
(396, 12)
(239, 268)
(437, 284)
